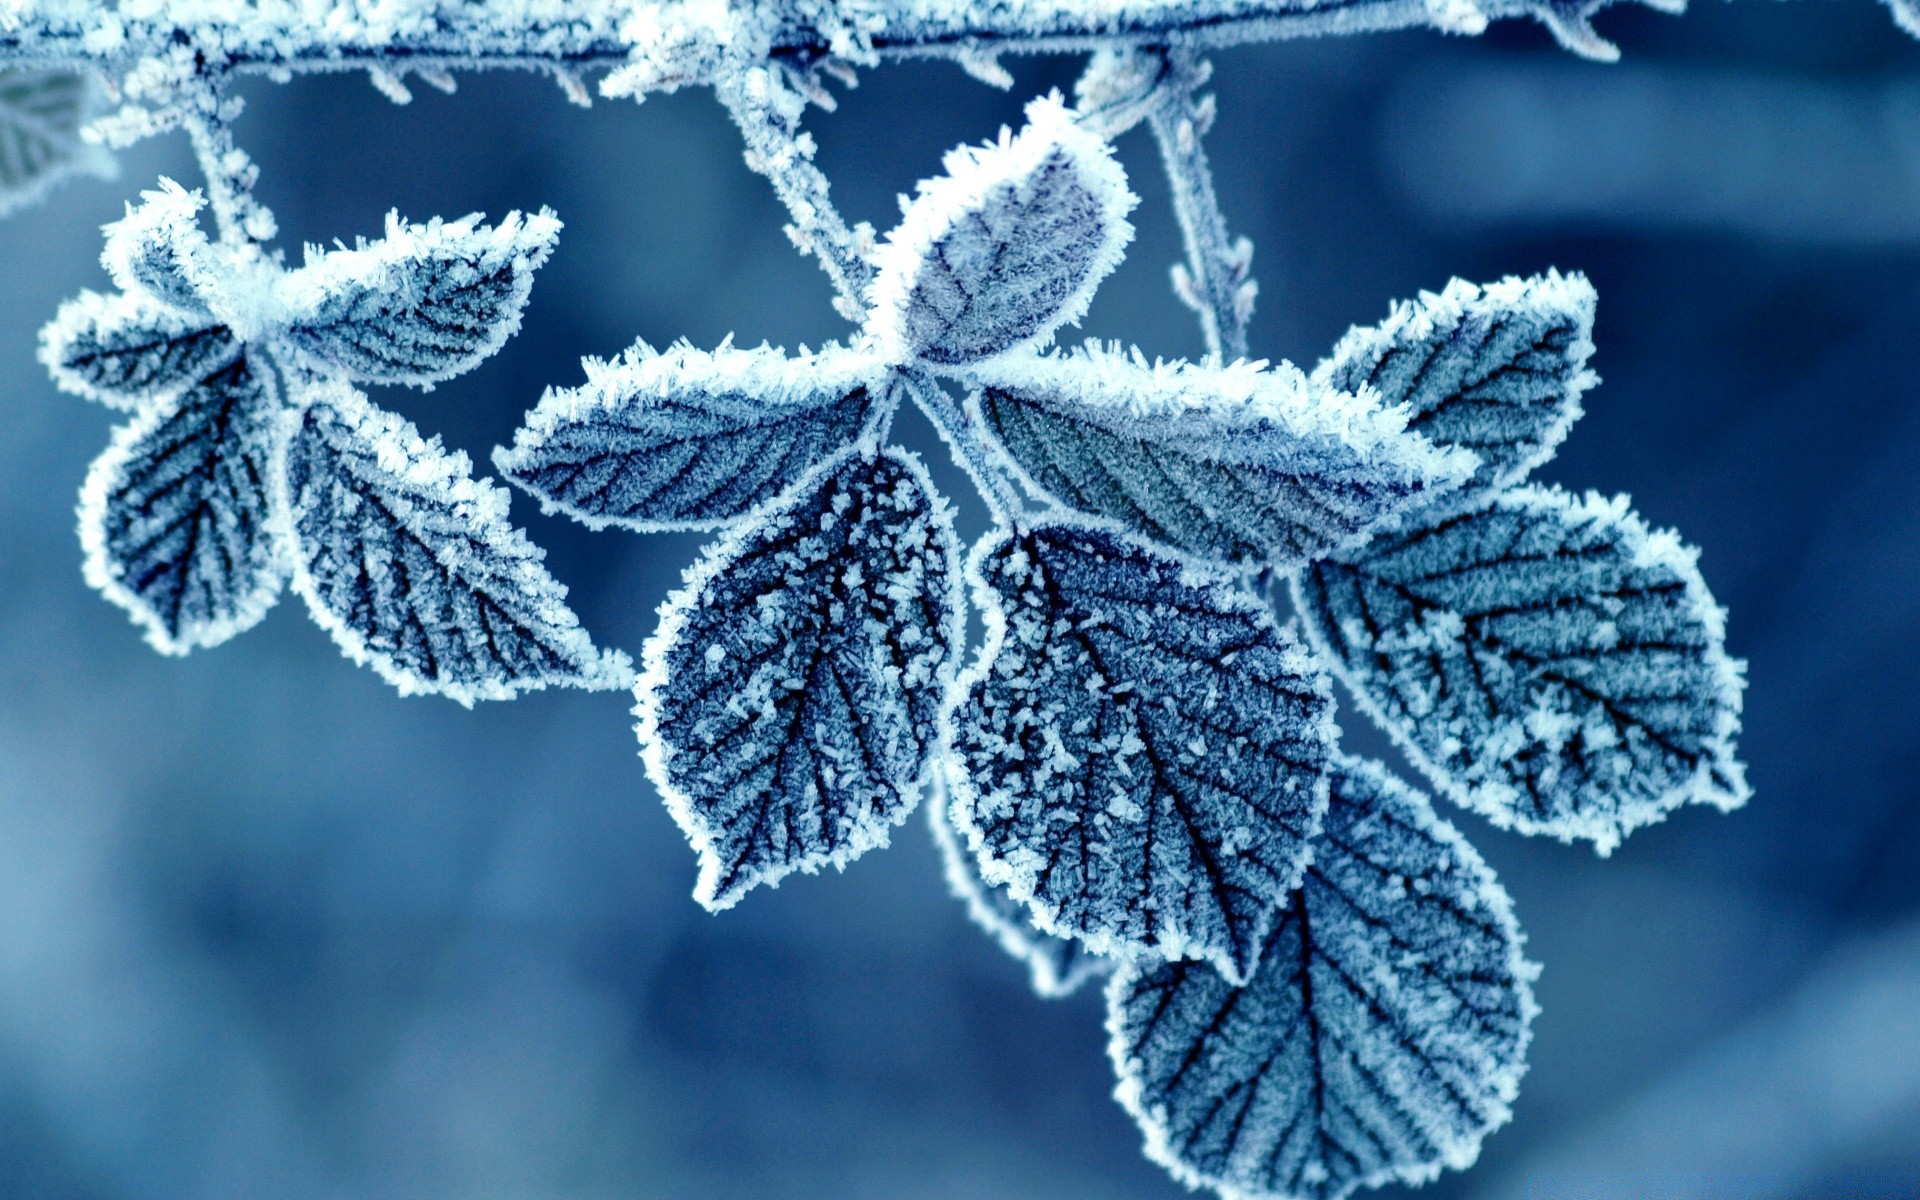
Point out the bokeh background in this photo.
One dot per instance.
(268, 930)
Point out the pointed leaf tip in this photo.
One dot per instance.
(1382, 1037)
(1005, 247)
(158, 249)
(791, 694)
(1139, 753)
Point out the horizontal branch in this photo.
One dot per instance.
(674, 42)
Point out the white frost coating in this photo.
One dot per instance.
(1056, 966)
(690, 439)
(158, 248)
(175, 516)
(1500, 368)
(1381, 1039)
(671, 43)
(791, 694)
(421, 305)
(1547, 661)
(410, 564)
(1240, 463)
(41, 116)
(1138, 753)
(125, 349)
(1006, 247)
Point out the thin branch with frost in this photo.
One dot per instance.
(686, 42)
(1216, 282)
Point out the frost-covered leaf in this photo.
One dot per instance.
(159, 249)
(410, 564)
(422, 304)
(124, 348)
(1238, 464)
(1381, 1039)
(41, 115)
(689, 439)
(1547, 660)
(792, 691)
(1140, 753)
(174, 516)
(1057, 966)
(1498, 370)
(1004, 248)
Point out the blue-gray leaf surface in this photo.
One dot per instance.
(791, 694)
(1498, 370)
(1382, 1037)
(174, 516)
(1056, 966)
(124, 348)
(1548, 661)
(410, 564)
(422, 304)
(1236, 464)
(1005, 247)
(1139, 753)
(159, 250)
(689, 439)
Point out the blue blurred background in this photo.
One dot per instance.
(268, 930)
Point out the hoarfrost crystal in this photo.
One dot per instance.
(1497, 370)
(1004, 248)
(175, 517)
(1057, 966)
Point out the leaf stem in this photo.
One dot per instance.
(1214, 281)
(230, 174)
(768, 113)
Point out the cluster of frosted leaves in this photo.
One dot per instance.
(791, 695)
(1235, 464)
(41, 116)
(1318, 986)
(1140, 753)
(251, 462)
(1381, 1037)
(1546, 660)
